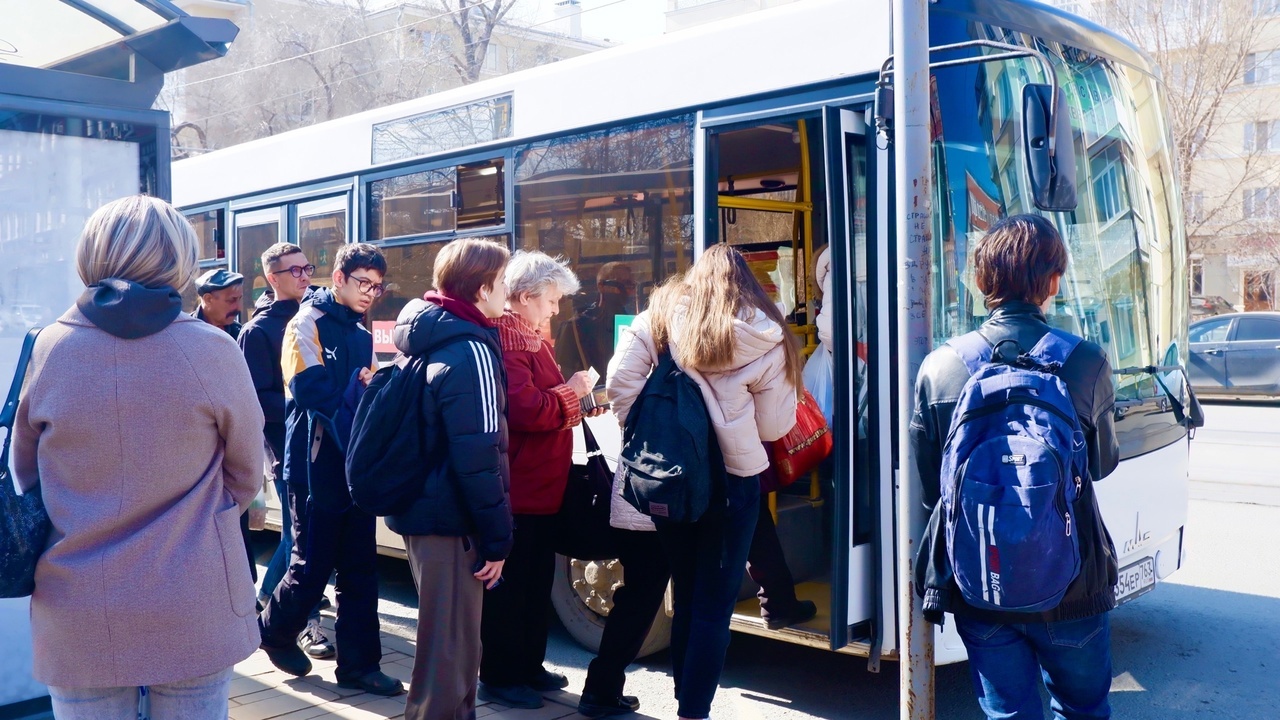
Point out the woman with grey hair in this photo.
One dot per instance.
(142, 429)
(542, 409)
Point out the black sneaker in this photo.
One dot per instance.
(547, 681)
(315, 643)
(804, 611)
(289, 659)
(598, 706)
(513, 696)
(375, 683)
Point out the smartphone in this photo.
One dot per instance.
(596, 399)
(478, 566)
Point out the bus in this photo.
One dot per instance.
(764, 131)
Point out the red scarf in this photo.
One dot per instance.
(465, 310)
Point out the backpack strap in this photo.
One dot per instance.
(973, 348)
(1055, 347)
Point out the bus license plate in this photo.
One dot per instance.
(1135, 580)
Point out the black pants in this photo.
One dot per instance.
(635, 605)
(325, 541)
(707, 561)
(248, 545)
(517, 613)
(768, 568)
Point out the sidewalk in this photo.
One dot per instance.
(259, 692)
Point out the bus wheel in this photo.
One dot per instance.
(583, 596)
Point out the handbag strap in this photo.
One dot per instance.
(10, 410)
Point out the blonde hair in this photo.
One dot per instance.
(141, 239)
(718, 287)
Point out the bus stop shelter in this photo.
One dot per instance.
(78, 79)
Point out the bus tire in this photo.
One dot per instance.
(584, 623)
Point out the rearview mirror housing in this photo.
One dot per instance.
(1051, 167)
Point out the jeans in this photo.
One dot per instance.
(201, 698)
(325, 541)
(707, 561)
(1072, 656)
(635, 606)
(280, 560)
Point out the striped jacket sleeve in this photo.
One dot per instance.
(469, 401)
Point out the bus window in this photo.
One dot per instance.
(618, 204)
(256, 231)
(419, 203)
(481, 195)
(211, 236)
(322, 229)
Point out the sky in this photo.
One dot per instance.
(618, 20)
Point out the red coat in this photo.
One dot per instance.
(541, 412)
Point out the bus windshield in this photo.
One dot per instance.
(1123, 288)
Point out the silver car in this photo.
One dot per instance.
(1236, 355)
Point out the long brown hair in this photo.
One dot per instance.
(718, 287)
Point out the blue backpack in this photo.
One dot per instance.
(1012, 466)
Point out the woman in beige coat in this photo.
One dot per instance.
(725, 333)
(141, 426)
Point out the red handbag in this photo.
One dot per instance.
(797, 453)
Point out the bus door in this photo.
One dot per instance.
(860, 409)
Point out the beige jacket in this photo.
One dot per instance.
(146, 451)
(749, 401)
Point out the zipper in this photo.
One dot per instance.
(1068, 524)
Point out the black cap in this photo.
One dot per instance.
(215, 280)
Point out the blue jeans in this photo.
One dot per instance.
(707, 559)
(1008, 661)
(280, 561)
(201, 698)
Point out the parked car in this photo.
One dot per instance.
(1203, 306)
(1236, 355)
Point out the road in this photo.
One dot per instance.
(1206, 643)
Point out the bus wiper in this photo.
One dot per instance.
(1195, 419)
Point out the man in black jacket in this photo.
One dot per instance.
(288, 277)
(326, 359)
(1018, 267)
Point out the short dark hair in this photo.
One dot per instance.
(1017, 259)
(277, 251)
(465, 266)
(360, 256)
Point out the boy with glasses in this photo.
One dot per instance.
(326, 358)
(288, 276)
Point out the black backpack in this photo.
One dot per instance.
(669, 457)
(388, 456)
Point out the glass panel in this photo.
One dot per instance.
(255, 232)
(416, 204)
(208, 227)
(322, 229)
(1212, 331)
(617, 204)
(481, 195)
(409, 269)
(751, 227)
(130, 12)
(43, 32)
(442, 130)
(1251, 328)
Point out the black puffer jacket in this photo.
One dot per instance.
(466, 490)
(1087, 374)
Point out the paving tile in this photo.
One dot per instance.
(402, 673)
(378, 709)
(274, 704)
(394, 655)
(550, 711)
(398, 644)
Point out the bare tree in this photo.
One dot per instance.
(474, 21)
(1203, 49)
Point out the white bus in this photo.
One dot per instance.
(760, 131)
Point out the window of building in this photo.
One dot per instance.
(443, 200)
(1261, 203)
(491, 55)
(1195, 206)
(1262, 135)
(1259, 290)
(1261, 68)
(618, 204)
(1195, 269)
(1110, 191)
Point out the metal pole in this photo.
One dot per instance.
(911, 132)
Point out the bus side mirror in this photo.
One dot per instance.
(1052, 170)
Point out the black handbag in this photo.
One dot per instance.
(583, 530)
(26, 524)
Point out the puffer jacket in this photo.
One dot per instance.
(749, 401)
(1087, 374)
(465, 492)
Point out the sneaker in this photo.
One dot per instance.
(290, 659)
(598, 706)
(513, 696)
(315, 643)
(547, 681)
(375, 683)
(804, 611)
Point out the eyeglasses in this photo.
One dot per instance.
(297, 271)
(368, 287)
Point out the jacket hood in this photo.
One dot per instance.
(425, 326)
(323, 299)
(755, 335)
(129, 310)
